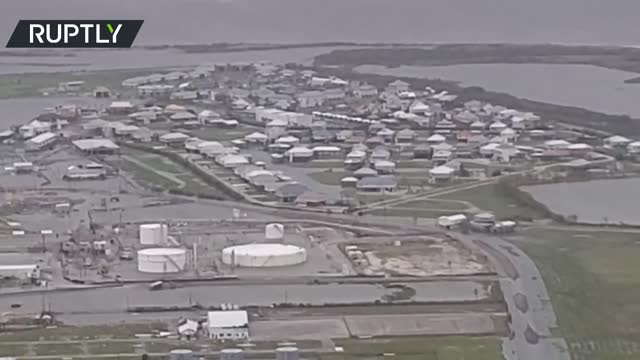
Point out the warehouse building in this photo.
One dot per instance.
(228, 325)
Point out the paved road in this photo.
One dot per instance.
(532, 315)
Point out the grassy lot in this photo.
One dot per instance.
(594, 282)
(25, 85)
(58, 349)
(111, 347)
(490, 198)
(329, 177)
(326, 164)
(410, 213)
(13, 350)
(434, 204)
(420, 348)
(218, 134)
(81, 333)
(147, 177)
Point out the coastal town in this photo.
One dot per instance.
(258, 209)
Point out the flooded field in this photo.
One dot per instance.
(602, 201)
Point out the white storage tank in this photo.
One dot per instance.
(287, 353)
(263, 255)
(181, 354)
(153, 234)
(274, 232)
(231, 354)
(162, 260)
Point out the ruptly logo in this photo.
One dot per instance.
(74, 33)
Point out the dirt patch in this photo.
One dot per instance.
(425, 256)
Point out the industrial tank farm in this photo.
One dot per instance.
(162, 260)
(264, 255)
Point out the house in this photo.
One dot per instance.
(184, 95)
(441, 156)
(497, 126)
(557, 144)
(289, 140)
(364, 172)
(397, 86)
(580, 149)
(422, 151)
(405, 136)
(386, 135)
(477, 126)
(385, 166)
(155, 90)
(311, 199)
(418, 107)
(96, 146)
(290, 192)
(634, 147)
(441, 173)
(436, 139)
(101, 92)
(310, 99)
(173, 138)
(616, 141)
(365, 91)
(183, 116)
(380, 153)
(228, 325)
(377, 184)
(188, 329)
(121, 108)
(256, 138)
(231, 160)
(299, 154)
(326, 152)
(34, 128)
(509, 134)
(41, 141)
(205, 116)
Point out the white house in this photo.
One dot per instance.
(557, 144)
(634, 147)
(436, 139)
(228, 325)
(41, 141)
(441, 173)
(309, 99)
(616, 141)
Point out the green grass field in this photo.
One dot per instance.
(491, 198)
(594, 282)
(218, 134)
(435, 204)
(329, 177)
(419, 348)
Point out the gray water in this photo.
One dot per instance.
(206, 21)
(589, 87)
(600, 201)
(84, 60)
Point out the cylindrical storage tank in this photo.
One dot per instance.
(153, 234)
(263, 255)
(181, 354)
(162, 260)
(287, 353)
(231, 354)
(274, 232)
